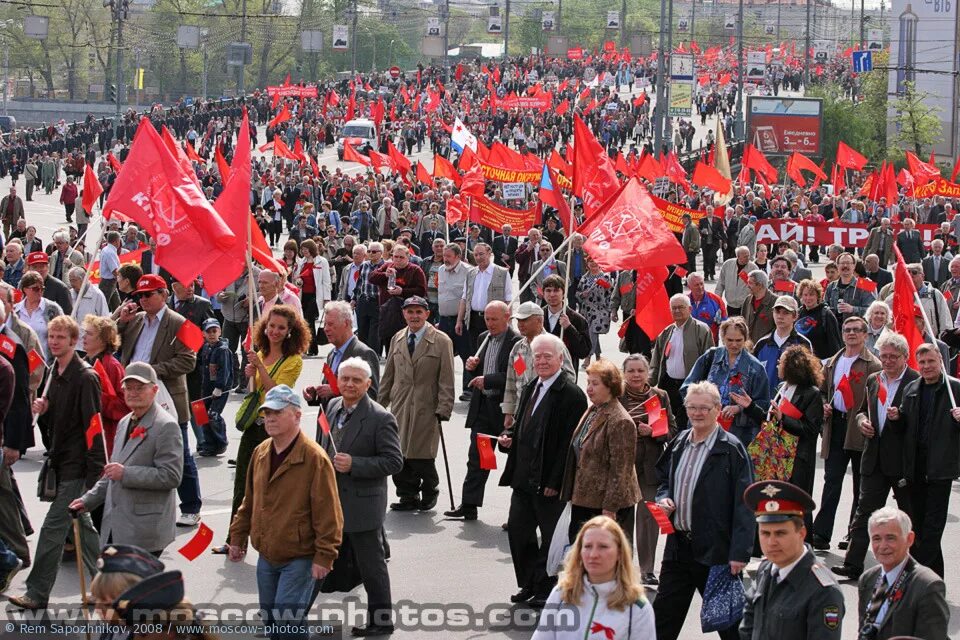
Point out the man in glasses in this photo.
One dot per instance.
(148, 333)
(847, 296)
(844, 387)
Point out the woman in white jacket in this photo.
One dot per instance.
(599, 590)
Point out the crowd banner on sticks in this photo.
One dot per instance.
(673, 214)
(825, 233)
(494, 216)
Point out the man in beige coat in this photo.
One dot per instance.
(418, 387)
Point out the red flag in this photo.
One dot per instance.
(789, 409)
(846, 391)
(350, 155)
(200, 415)
(422, 174)
(519, 366)
(400, 161)
(105, 384)
(283, 116)
(754, 159)
(95, 428)
(922, 172)
(281, 150)
(323, 423)
(881, 392)
(298, 149)
(706, 176)
(155, 192)
(799, 162)
(34, 360)
(866, 284)
(628, 232)
(743, 276)
(651, 301)
(190, 335)
(563, 107)
(192, 153)
(594, 177)
(849, 158)
(92, 189)
(680, 272)
(488, 459)
(661, 518)
(331, 379)
(222, 165)
(656, 417)
(351, 103)
(956, 170)
(113, 162)
(7, 346)
(554, 198)
(443, 168)
(904, 297)
(473, 182)
(784, 286)
(198, 543)
(457, 210)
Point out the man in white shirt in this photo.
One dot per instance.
(109, 265)
(451, 280)
(272, 292)
(486, 283)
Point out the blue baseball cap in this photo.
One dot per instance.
(281, 397)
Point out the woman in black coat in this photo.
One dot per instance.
(816, 321)
(802, 374)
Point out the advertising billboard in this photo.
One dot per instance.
(782, 125)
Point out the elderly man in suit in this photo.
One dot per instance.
(880, 242)
(703, 474)
(899, 597)
(64, 257)
(488, 371)
(881, 466)
(364, 445)
(138, 486)
(909, 242)
(505, 249)
(338, 326)
(536, 443)
(936, 266)
(418, 384)
(676, 350)
(150, 336)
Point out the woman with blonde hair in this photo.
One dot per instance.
(599, 589)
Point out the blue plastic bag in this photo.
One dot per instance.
(723, 600)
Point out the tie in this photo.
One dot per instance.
(528, 410)
(411, 343)
(876, 601)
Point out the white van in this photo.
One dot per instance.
(360, 134)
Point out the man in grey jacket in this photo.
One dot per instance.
(139, 485)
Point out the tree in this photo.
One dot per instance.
(918, 124)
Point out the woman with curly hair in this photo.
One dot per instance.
(280, 339)
(600, 587)
(100, 341)
(802, 375)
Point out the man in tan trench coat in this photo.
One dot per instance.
(417, 386)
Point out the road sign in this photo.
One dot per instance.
(862, 61)
(394, 72)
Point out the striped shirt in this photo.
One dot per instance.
(685, 478)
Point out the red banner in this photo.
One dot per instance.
(494, 216)
(503, 174)
(293, 91)
(938, 187)
(673, 214)
(575, 54)
(825, 233)
(543, 102)
(131, 257)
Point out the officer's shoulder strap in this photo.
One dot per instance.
(823, 575)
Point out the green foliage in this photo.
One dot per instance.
(918, 124)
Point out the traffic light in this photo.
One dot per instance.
(112, 93)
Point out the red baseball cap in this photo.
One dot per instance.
(38, 257)
(150, 282)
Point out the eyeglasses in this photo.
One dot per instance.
(147, 294)
(698, 408)
(852, 330)
(35, 287)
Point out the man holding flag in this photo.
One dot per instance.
(71, 408)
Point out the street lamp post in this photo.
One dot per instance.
(390, 57)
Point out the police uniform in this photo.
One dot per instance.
(126, 558)
(807, 603)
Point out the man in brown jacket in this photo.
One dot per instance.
(757, 308)
(844, 390)
(290, 512)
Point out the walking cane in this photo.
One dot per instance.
(75, 516)
(446, 464)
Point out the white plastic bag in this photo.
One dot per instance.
(559, 544)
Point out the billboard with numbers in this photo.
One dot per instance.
(782, 125)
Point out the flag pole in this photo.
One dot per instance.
(933, 338)
(566, 276)
(251, 293)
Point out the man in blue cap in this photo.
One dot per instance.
(793, 597)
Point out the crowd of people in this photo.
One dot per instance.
(711, 424)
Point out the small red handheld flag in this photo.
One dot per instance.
(106, 386)
(488, 459)
(743, 276)
(323, 423)
(604, 283)
(519, 366)
(666, 527)
(656, 417)
(331, 379)
(846, 391)
(35, 360)
(790, 410)
(7, 346)
(680, 272)
(725, 422)
(866, 284)
(198, 543)
(96, 427)
(784, 286)
(200, 415)
(623, 328)
(190, 335)
(247, 341)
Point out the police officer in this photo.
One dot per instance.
(120, 566)
(793, 595)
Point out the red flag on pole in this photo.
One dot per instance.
(198, 543)
(190, 335)
(222, 165)
(35, 360)
(790, 410)
(95, 427)
(849, 158)
(661, 518)
(331, 379)
(283, 116)
(706, 176)
(323, 423)
(904, 294)
(113, 162)
(846, 391)
(192, 153)
(488, 459)
(594, 177)
(92, 189)
(350, 155)
(199, 410)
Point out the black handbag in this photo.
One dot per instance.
(345, 574)
(47, 479)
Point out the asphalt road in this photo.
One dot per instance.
(436, 565)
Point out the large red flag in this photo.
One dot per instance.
(443, 168)
(849, 158)
(922, 172)
(154, 191)
(281, 150)
(754, 159)
(474, 182)
(628, 232)
(222, 166)
(92, 189)
(652, 303)
(423, 175)
(113, 162)
(706, 176)
(594, 177)
(283, 116)
(904, 298)
(400, 161)
(799, 162)
(350, 155)
(192, 154)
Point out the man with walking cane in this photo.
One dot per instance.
(71, 406)
(418, 387)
